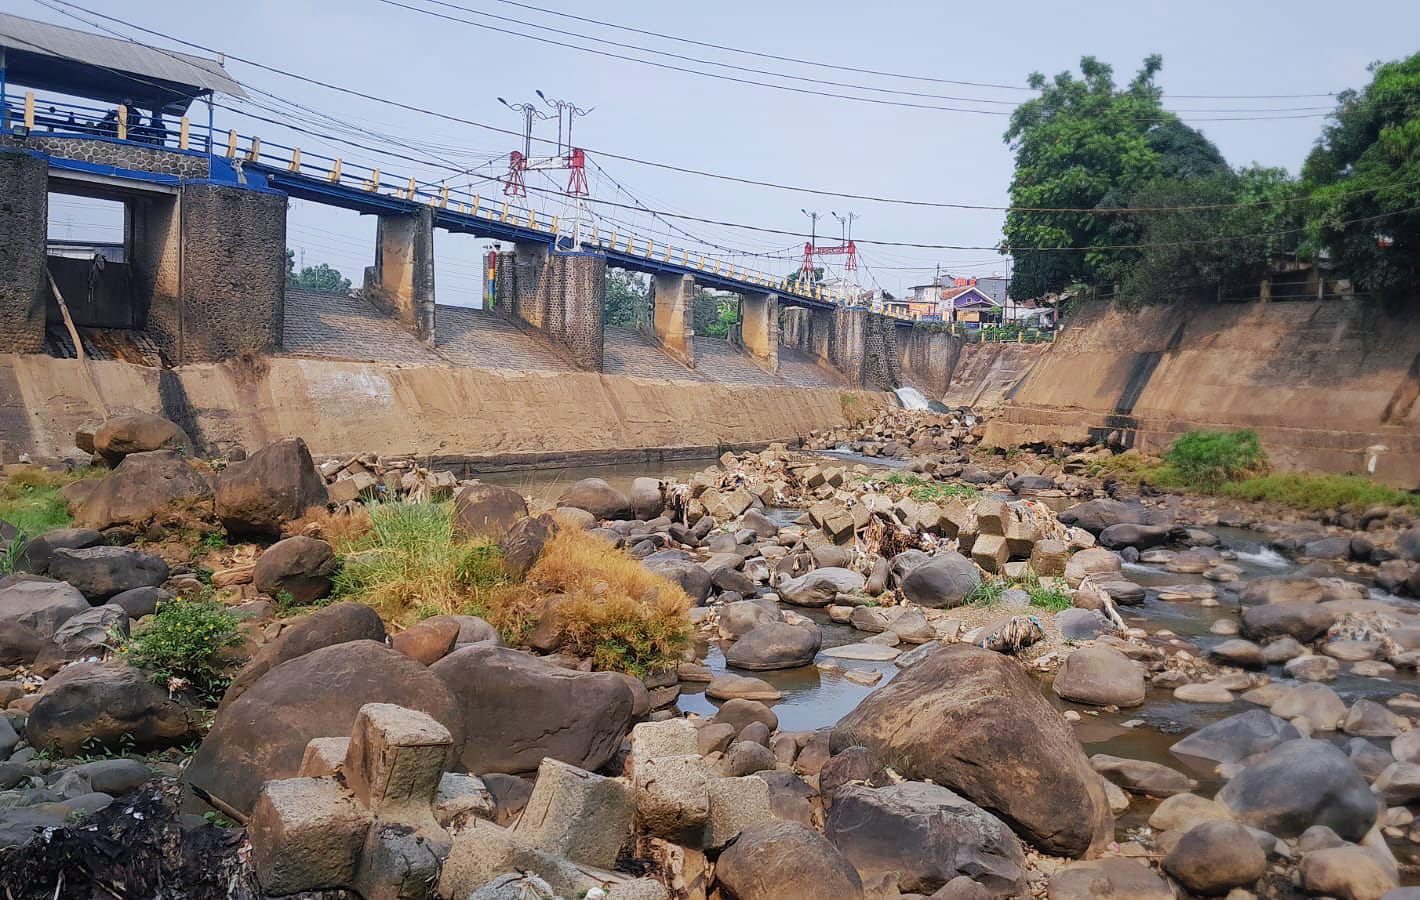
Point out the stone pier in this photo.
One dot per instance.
(563, 295)
(24, 227)
(402, 278)
(674, 315)
(859, 343)
(759, 328)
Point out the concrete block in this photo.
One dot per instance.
(736, 804)
(323, 757)
(1048, 557)
(673, 798)
(992, 516)
(573, 813)
(990, 552)
(306, 835)
(673, 737)
(396, 758)
(482, 852)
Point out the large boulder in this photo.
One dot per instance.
(273, 486)
(598, 498)
(35, 555)
(90, 631)
(690, 576)
(20, 645)
(1214, 857)
(1108, 878)
(648, 497)
(975, 721)
(786, 861)
(1092, 561)
(155, 487)
(339, 623)
(487, 510)
(1283, 589)
(775, 645)
(1100, 676)
(1294, 619)
(1140, 776)
(121, 436)
(263, 734)
(90, 706)
(1097, 515)
(522, 545)
(942, 582)
(40, 604)
(1299, 784)
(1128, 534)
(924, 835)
(819, 587)
(519, 708)
(300, 567)
(101, 572)
(1235, 738)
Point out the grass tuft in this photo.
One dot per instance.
(1206, 460)
(30, 500)
(1320, 492)
(338, 528)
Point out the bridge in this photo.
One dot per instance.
(206, 228)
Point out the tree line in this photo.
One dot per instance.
(1104, 170)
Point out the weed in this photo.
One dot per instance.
(1046, 597)
(1320, 492)
(341, 529)
(214, 540)
(986, 593)
(212, 817)
(925, 490)
(31, 500)
(181, 643)
(1208, 459)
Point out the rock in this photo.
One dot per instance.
(1208, 692)
(1283, 589)
(1214, 857)
(1304, 622)
(791, 799)
(1082, 624)
(775, 645)
(923, 835)
(851, 764)
(728, 687)
(487, 510)
(739, 713)
(819, 587)
(1049, 558)
(1312, 668)
(519, 709)
(1093, 561)
(746, 758)
(759, 523)
(429, 641)
(1181, 812)
(263, 733)
(975, 722)
(577, 815)
(90, 631)
(300, 567)
(1128, 534)
(1318, 704)
(1398, 783)
(786, 861)
(1299, 784)
(1349, 873)
(39, 605)
(339, 623)
(101, 572)
(523, 543)
(647, 498)
(120, 436)
(114, 777)
(867, 652)
(911, 625)
(673, 797)
(273, 486)
(1100, 676)
(140, 602)
(598, 498)
(109, 705)
(689, 576)
(1235, 738)
(1281, 651)
(1370, 719)
(740, 617)
(1369, 759)
(1142, 777)
(1240, 653)
(942, 582)
(20, 645)
(1096, 515)
(35, 555)
(1110, 878)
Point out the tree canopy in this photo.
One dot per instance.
(322, 277)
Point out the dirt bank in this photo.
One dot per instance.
(1329, 386)
(339, 407)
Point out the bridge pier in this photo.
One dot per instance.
(673, 318)
(402, 278)
(563, 295)
(24, 232)
(859, 343)
(759, 328)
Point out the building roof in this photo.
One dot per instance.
(961, 297)
(55, 58)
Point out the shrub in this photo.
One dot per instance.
(409, 558)
(612, 609)
(1209, 459)
(341, 529)
(180, 645)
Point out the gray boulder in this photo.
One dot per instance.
(598, 498)
(40, 604)
(301, 567)
(121, 436)
(101, 572)
(1215, 857)
(1140, 776)
(1100, 676)
(1128, 534)
(1235, 738)
(35, 554)
(924, 835)
(1300, 620)
(106, 705)
(1299, 784)
(786, 861)
(942, 582)
(155, 487)
(273, 486)
(89, 631)
(775, 645)
(487, 510)
(689, 576)
(1096, 515)
(819, 587)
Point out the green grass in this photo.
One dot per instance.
(925, 490)
(1206, 460)
(181, 644)
(1044, 597)
(30, 500)
(986, 593)
(1320, 492)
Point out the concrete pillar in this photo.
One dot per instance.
(24, 237)
(759, 328)
(402, 278)
(881, 361)
(674, 315)
(562, 295)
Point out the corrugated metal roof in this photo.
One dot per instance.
(27, 35)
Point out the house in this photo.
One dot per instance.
(969, 305)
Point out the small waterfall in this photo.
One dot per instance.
(911, 398)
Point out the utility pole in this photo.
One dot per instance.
(845, 232)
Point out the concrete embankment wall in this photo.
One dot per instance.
(1328, 386)
(451, 413)
(944, 367)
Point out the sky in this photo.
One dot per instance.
(1222, 50)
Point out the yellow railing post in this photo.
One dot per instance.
(555, 220)
(375, 180)
(476, 201)
(667, 257)
(335, 171)
(648, 248)
(254, 153)
(504, 217)
(444, 197)
(412, 190)
(232, 144)
(532, 219)
(295, 160)
(701, 265)
(183, 130)
(30, 110)
(685, 257)
(612, 242)
(123, 123)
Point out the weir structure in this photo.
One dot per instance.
(202, 266)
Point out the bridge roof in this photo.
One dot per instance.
(54, 58)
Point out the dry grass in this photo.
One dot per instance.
(610, 608)
(341, 529)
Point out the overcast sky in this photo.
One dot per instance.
(1209, 48)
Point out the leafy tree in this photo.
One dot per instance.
(322, 278)
(1365, 175)
(715, 314)
(814, 277)
(628, 299)
(1080, 140)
